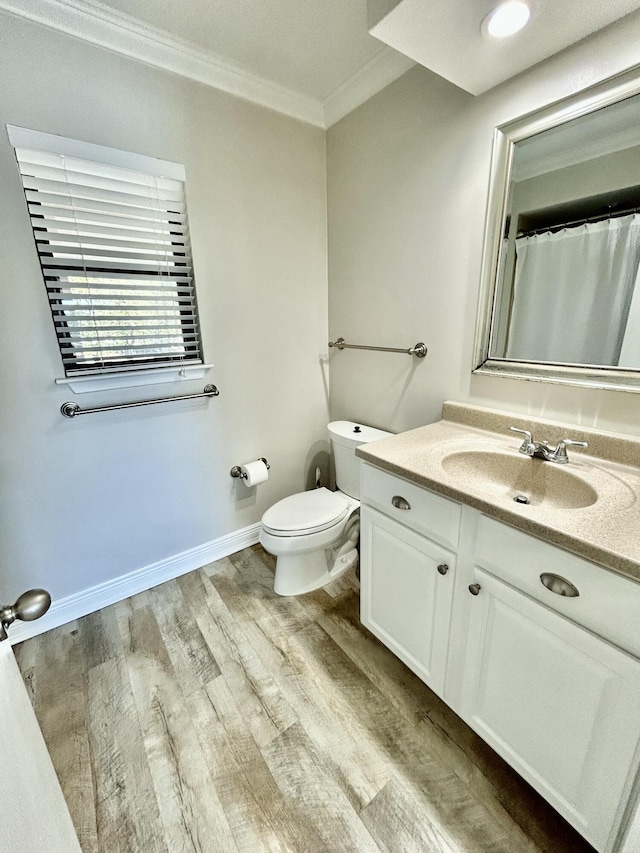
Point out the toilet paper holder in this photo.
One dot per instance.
(236, 471)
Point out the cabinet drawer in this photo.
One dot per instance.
(424, 511)
(608, 604)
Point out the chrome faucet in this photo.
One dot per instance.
(541, 449)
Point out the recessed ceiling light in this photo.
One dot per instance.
(506, 19)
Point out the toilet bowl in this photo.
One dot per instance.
(314, 537)
(314, 534)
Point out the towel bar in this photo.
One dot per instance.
(72, 410)
(419, 349)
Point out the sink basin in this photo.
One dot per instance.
(509, 474)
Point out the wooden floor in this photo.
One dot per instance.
(209, 714)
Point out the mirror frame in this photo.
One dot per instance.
(504, 139)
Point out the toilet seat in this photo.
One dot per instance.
(306, 512)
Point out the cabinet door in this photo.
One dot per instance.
(405, 599)
(557, 702)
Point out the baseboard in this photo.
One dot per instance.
(96, 597)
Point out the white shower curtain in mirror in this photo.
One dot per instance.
(572, 292)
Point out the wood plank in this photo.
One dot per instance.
(395, 681)
(193, 661)
(359, 769)
(407, 745)
(127, 811)
(398, 820)
(256, 810)
(99, 642)
(191, 814)
(260, 701)
(210, 714)
(254, 581)
(222, 566)
(122, 611)
(473, 760)
(307, 784)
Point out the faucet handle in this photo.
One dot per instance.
(528, 439)
(522, 432)
(560, 453)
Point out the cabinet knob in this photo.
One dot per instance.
(443, 568)
(474, 588)
(400, 503)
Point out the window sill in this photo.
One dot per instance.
(135, 378)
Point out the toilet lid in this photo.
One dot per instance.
(306, 512)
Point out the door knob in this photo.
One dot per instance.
(443, 568)
(30, 605)
(474, 588)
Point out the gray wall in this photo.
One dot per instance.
(408, 175)
(85, 501)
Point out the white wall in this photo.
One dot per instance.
(408, 173)
(87, 500)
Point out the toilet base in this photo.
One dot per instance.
(310, 561)
(300, 573)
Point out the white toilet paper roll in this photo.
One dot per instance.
(254, 473)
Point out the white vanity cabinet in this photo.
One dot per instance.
(407, 578)
(558, 701)
(406, 594)
(551, 682)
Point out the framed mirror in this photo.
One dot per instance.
(560, 289)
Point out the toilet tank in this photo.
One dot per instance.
(345, 437)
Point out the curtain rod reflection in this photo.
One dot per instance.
(576, 223)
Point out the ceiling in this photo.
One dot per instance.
(445, 35)
(316, 59)
(309, 46)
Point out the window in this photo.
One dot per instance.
(112, 237)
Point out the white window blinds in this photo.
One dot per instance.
(113, 244)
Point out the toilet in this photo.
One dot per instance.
(314, 535)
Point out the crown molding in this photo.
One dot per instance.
(381, 70)
(99, 25)
(93, 22)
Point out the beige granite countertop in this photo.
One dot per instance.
(607, 531)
